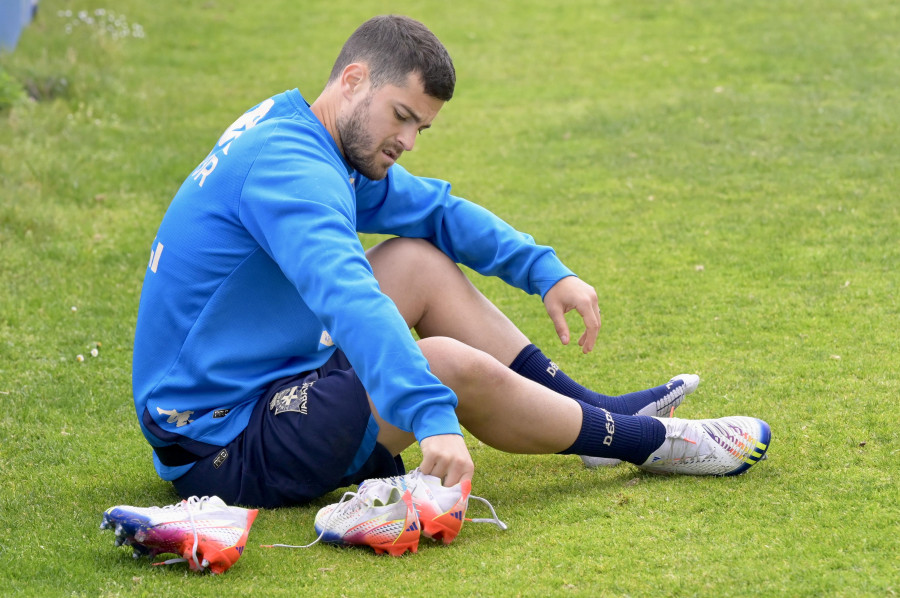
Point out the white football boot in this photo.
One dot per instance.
(726, 446)
(378, 515)
(442, 509)
(205, 532)
(681, 386)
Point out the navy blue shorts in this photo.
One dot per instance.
(309, 435)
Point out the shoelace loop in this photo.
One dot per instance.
(340, 506)
(494, 519)
(188, 505)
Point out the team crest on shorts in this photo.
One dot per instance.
(290, 399)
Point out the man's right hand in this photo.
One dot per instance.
(446, 456)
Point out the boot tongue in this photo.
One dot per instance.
(379, 499)
(393, 497)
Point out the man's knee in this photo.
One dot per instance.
(415, 253)
(458, 365)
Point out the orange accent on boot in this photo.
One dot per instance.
(220, 558)
(409, 537)
(447, 525)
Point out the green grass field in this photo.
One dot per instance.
(725, 173)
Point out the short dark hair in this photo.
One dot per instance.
(393, 46)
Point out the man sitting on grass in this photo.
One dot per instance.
(273, 359)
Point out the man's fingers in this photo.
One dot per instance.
(450, 474)
(455, 475)
(558, 317)
(591, 318)
(446, 457)
(568, 294)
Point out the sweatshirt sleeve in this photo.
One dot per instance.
(410, 206)
(301, 210)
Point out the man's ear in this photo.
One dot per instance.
(354, 79)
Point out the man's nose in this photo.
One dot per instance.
(407, 139)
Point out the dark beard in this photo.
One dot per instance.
(357, 143)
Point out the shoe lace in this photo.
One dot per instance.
(341, 506)
(401, 482)
(494, 519)
(188, 505)
(678, 451)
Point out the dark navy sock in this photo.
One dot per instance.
(631, 438)
(534, 365)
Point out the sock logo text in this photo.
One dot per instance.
(610, 428)
(552, 369)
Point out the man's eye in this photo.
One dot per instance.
(400, 117)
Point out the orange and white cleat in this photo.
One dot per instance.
(379, 515)
(204, 532)
(441, 509)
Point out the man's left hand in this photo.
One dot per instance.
(573, 293)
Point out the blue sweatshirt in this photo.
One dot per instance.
(257, 273)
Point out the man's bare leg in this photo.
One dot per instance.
(469, 343)
(436, 299)
(499, 407)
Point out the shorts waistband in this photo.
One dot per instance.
(175, 455)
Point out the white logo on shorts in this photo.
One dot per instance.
(290, 399)
(179, 418)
